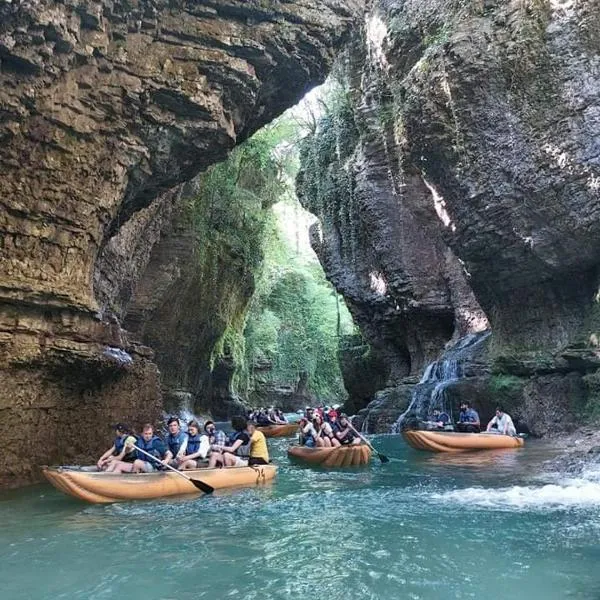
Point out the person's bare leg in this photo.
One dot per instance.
(188, 465)
(216, 458)
(229, 459)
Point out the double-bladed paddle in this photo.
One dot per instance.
(382, 457)
(204, 487)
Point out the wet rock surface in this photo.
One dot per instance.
(105, 108)
(458, 187)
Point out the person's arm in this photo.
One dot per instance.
(168, 457)
(104, 458)
(232, 449)
(491, 423)
(127, 447)
(340, 435)
(181, 452)
(202, 450)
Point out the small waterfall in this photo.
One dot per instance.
(431, 391)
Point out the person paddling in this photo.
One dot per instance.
(344, 431)
(503, 423)
(151, 444)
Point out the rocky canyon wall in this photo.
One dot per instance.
(105, 108)
(456, 179)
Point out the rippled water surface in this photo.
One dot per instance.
(424, 526)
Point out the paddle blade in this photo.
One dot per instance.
(383, 458)
(203, 487)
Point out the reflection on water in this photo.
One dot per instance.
(425, 526)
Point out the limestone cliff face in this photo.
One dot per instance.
(470, 180)
(106, 107)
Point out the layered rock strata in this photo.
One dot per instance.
(105, 106)
(467, 176)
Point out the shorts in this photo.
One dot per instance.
(240, 462)
(309, 443)
(253, 460)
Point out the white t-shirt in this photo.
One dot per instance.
(505, 424)
(204, 446)
(309, 429)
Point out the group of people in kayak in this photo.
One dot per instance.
(326, 428)
(194, 449)
(264, 417)
(469, 422)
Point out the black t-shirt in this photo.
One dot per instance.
(244, 437)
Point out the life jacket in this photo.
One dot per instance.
(174, 442)
(119, 443)
(193, 444)
(154, 446)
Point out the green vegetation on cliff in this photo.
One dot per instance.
(293, 320)
(326, 177)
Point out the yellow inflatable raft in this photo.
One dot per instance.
(452, 441)
(100, 487)
(342, 456)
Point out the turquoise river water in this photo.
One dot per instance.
(432, 527)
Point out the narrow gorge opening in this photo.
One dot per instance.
(234, 300)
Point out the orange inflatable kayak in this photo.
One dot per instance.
(342, 456)
(100, 487)
(284, 430)
(452, 441)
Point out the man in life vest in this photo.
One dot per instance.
(468, 419)
(197, 449)
(154, 446)
(176, 443)
(121, 450)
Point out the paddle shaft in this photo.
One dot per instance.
(207, 489)
(382, 457)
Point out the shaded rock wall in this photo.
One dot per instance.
(105, 107)
(471, 180)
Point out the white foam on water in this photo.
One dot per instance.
(572, 493)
